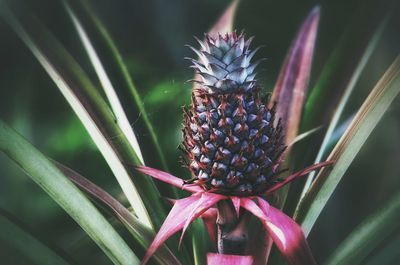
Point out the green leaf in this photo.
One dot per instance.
(118, 62)
(66, 194)
(368, 235)
(119, 113)
(91, 109)
(345, 98)
(142, 234)
(387, 254)
(200, 241)
(348, 146)
(15, 235)
(339, 68)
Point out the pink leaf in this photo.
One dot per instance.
(206, 201)
(225, 22)
(293, 244)
(286, 234)
(292, 82)
(168, 178)
(210, 221)
(296, 175)
(178, 216)
(252, 207)
(220, 259)
(236, 204)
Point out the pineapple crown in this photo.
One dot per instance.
(224, 64)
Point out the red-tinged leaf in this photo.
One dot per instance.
(296, 175)
(286, 234)
(206, 201)
(210, 221)
(219, 259)
(172, 224)
(292, 82)
(252, 207)
(236, 204)
(225, 22)
(178, 216)
(168, 178)
(140, 232)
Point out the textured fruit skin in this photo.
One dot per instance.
(231, 138)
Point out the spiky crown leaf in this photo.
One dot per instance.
(224, 64)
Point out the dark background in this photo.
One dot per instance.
(151, 36)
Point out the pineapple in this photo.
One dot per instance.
(231, 138)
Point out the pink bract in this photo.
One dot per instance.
(286, 234)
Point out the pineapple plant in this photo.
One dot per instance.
(234, 147)
(238, 143)
(230, 136)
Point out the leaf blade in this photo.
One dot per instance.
(368, 235)
(91, 109)
(292, 83)
(218, 259)
(118, 61)
(348, 146)
(66, 194)
(141, 233)
(182, 213)
(224, 24)
(286, 234)
(120, 116)
(345, 97)
(31, 247)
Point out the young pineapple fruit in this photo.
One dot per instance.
(230, 137)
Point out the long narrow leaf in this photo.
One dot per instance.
(345, 97)
(141, 233)
(105, 81)
(224, 24)
(199, 241)
(91, 109)
(292, 83)
(349, 145)
(182, 213)
(13, 234)
(119, 63)
(286, 234)
(339, 68)
(66, 194)
(368, 235)
(386, 254)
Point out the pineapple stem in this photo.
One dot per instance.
(232, 231)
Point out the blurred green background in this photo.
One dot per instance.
(151, 36)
